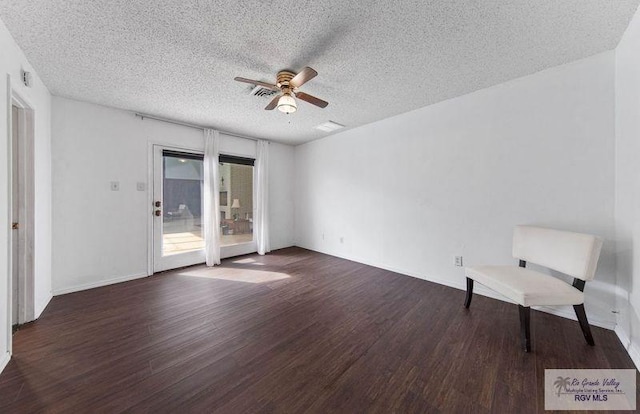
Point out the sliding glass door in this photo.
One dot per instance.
(178, 236)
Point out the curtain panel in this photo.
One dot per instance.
(261, 190)
(211, 200)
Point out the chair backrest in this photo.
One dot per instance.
(574, 254)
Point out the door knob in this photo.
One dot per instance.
(158, 203)
(157, 213)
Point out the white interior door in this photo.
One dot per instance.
(178, 180)
(21, 207)
(15, 213)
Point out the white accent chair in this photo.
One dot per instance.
(574, 254)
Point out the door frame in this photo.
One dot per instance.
(26, 208)
(154, 250)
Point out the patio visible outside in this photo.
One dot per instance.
(187, 241)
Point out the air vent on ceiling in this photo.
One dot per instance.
(261, 91)
(329, 126)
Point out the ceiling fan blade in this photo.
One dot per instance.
(255, 82)
(312, 99)
(273, 103)
(303, 77)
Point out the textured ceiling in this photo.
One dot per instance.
(178, 58)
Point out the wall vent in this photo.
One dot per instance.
(262, 91)
(27, 78)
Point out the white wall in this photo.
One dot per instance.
(101, 236)
(627, 204)
(281, 199)
(12, 60)
(410, 192)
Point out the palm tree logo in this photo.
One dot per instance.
(561, 383)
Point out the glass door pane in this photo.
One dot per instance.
(182, 183)
(236, 203)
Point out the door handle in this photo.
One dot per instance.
(158, 213)
(15, 226)
(158, 203)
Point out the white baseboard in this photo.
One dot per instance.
(632, 348)
(478, 289)
(99, 283)
(4, 360)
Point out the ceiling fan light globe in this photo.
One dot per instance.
(287, 104)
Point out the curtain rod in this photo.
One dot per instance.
(171, 121)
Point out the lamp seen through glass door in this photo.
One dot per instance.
(235, 205)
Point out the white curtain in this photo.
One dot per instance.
(211, 197)
(261, 190)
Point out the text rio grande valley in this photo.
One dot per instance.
(593, 390)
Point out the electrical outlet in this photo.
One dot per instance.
(115, 186)
(457, 261)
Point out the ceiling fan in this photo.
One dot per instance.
(288, 83)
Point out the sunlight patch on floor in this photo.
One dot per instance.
(236, 275)
(248, 261)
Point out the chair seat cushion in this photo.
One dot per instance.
(526, 287)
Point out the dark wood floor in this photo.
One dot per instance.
(302, 332)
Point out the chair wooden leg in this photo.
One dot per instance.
(525, 329)
(584, 323)
(467, 301)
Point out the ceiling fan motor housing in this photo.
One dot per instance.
(284, 77)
